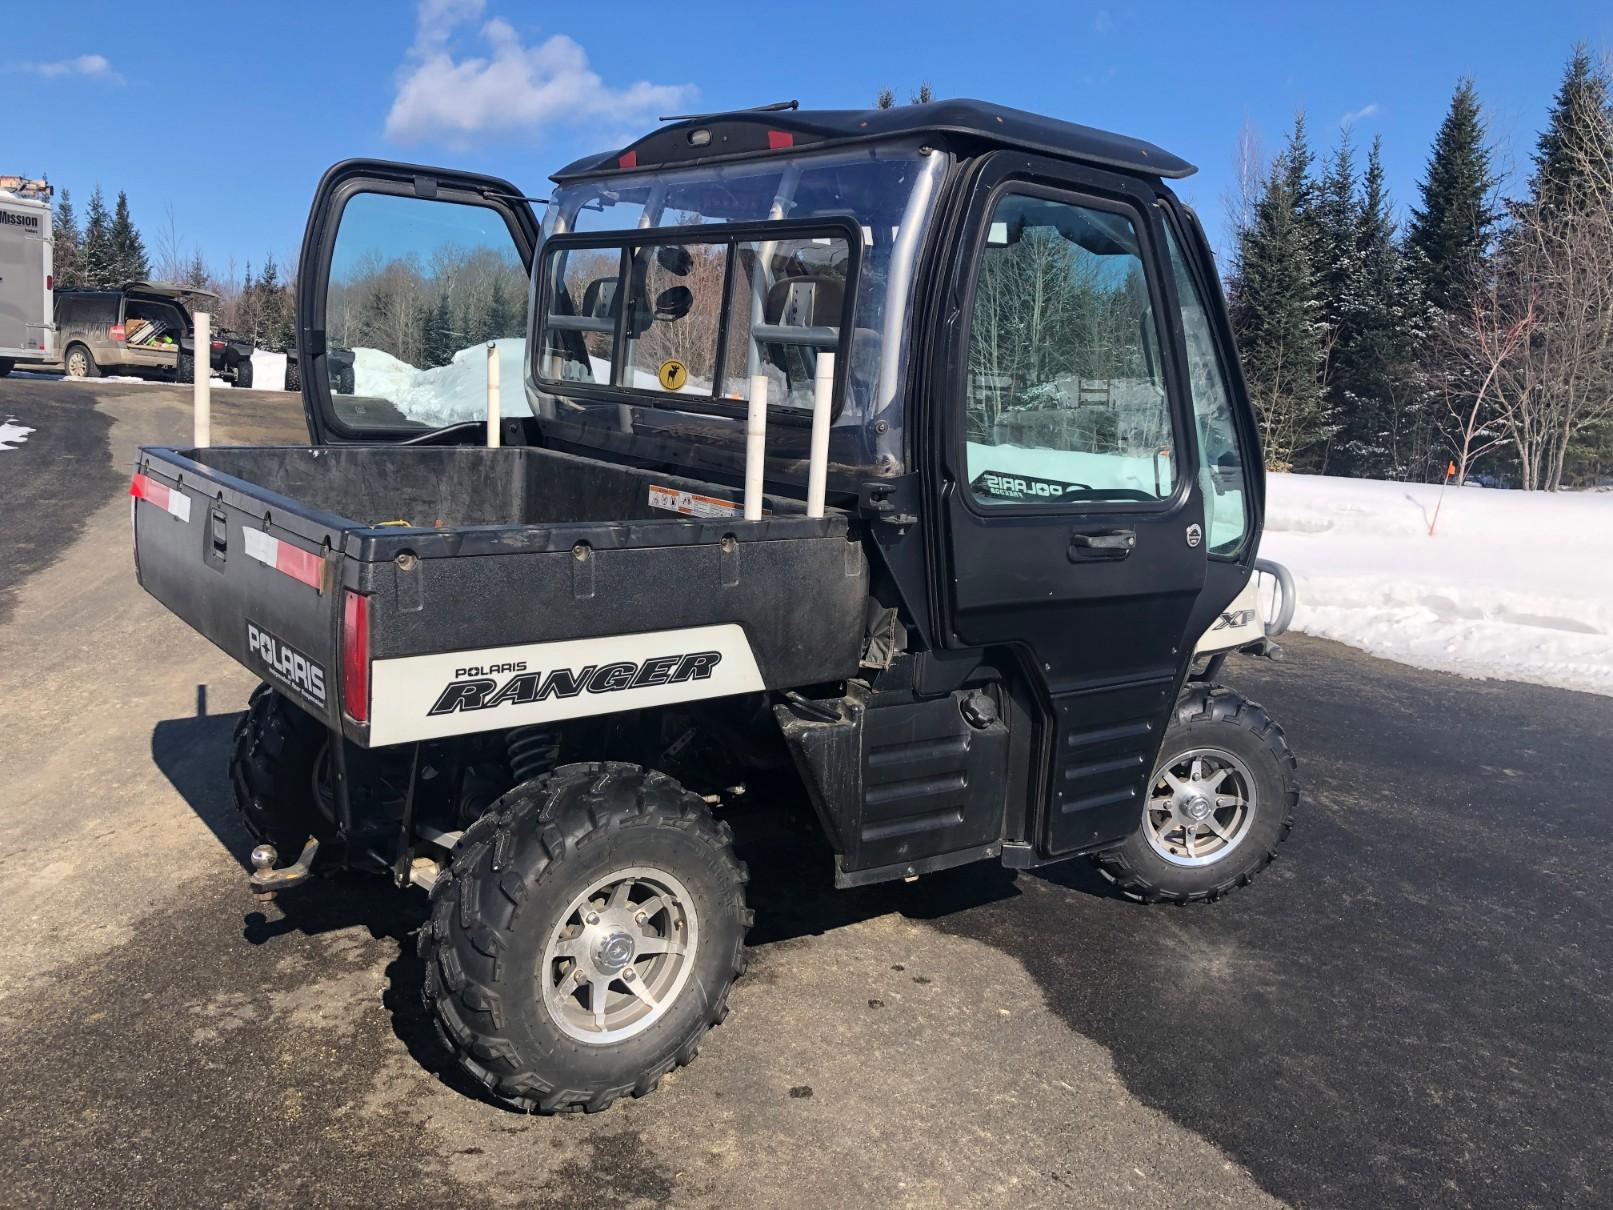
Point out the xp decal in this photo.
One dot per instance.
(286, 665)
(429, 696)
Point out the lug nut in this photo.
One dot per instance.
(591, 918)
(580, 975)
(640, 918)
(629, 974)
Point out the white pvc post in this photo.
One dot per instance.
(755, 446)
(823, 387)
(492, 395)
(201, 374)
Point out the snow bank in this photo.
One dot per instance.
(1517, 585)
(444, 394)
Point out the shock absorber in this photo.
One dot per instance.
(532, 751)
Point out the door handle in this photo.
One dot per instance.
(1105, 544)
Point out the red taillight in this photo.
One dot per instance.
(778, 140)
(217, 345)
(115, 332)
(50, 281)
(356, 656)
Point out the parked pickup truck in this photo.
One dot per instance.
(142, 328)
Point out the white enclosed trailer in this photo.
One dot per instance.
(27, 330)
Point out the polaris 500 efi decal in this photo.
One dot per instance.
(429, 696)
(286, 664)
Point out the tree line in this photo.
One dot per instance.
(1479, 333)
(423, 310)
(108, 251)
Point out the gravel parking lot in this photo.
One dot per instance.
(1410, 1007)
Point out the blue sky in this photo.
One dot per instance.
(230, 116)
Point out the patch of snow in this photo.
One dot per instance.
(11, 431)
(1517, 585)
(268, 370)
(445, 394)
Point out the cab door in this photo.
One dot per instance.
(1071, 516)
(406, 274)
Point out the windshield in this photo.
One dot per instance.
(679, 359)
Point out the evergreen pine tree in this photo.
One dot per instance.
(1450, 232)
(196, 272)
(99, 264)
(1577, 128)
(128, 249)
(1381, 399)
(67, 252)
(1338, 270)
(246, 309)
(437, 339)
(500, 317)
(273, 307)
(1276, 311)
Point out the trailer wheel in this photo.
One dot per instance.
(77, 363)
(584, 937)
(277, 769)
(1221, 801)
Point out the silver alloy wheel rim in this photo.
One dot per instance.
(76, 364)
(619, 955)
(1200, 806)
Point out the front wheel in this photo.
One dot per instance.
(584, 937)
(1221, 800)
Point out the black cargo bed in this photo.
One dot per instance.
(501, 549)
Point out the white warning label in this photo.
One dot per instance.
(675, 500)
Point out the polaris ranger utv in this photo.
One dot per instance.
(897, 461)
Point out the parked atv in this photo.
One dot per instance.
(897, 461)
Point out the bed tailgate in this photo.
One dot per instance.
(254, 572)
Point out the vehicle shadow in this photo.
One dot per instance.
(791, 885)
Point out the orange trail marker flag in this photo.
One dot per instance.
(1450, 471)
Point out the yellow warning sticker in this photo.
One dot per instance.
(673, 374)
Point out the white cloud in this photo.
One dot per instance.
(1356, 115)
(93, 66)
(513, 87)
(1103, 22)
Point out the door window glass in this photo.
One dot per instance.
(1066, 394)
(418, 288)
(1225, 508)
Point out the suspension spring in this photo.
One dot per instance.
(532, 751)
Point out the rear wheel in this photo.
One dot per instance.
(243, 373)
(78, 363)
(1222, 799)
(185, 371)
(344, 380)
(293, 375)
(278, 770)
(584, 937)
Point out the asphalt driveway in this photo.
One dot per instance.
(1411, 1007)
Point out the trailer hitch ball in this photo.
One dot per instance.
(264, 858)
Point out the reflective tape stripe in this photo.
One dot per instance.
(175, 503)
(292, 560)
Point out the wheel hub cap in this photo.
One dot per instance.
(614, 952)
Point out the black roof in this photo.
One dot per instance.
(749, 132)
